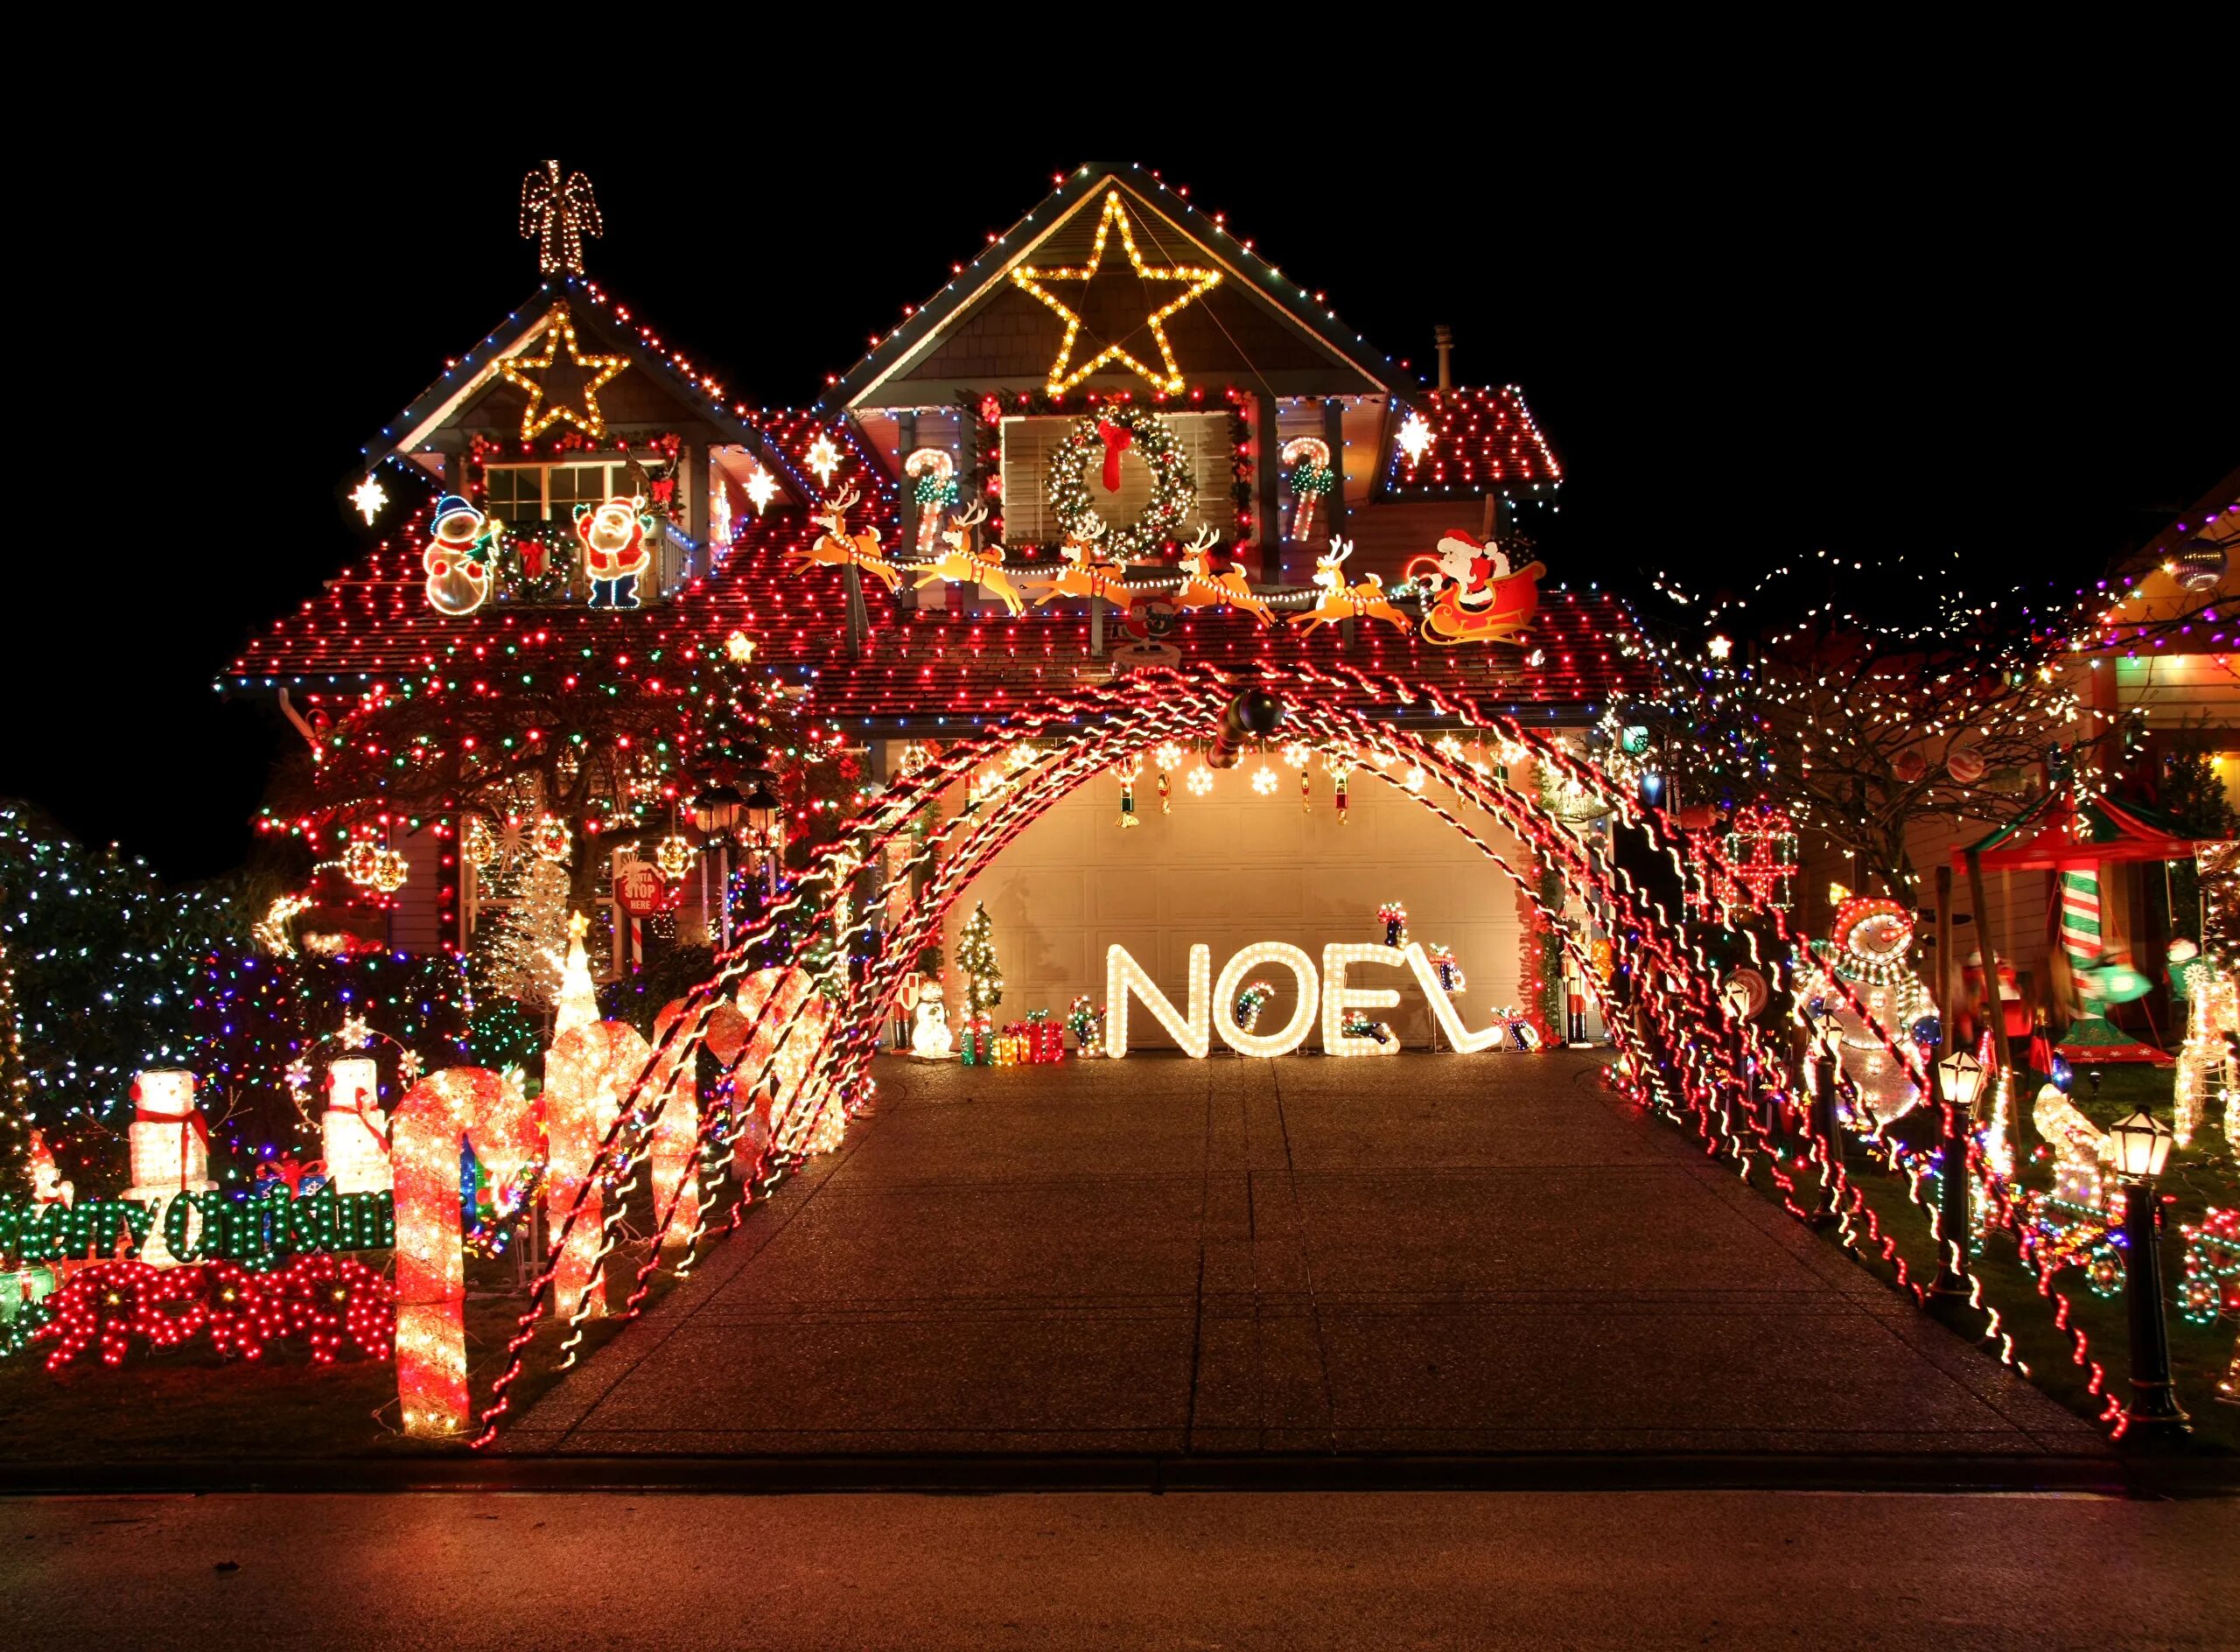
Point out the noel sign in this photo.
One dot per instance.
(1327, 992)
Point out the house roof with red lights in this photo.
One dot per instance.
(918, 669)
(1467, 441)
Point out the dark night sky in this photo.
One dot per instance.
(1746, 337)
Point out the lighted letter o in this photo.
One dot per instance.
(1295, 1030)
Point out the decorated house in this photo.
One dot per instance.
(1120, 437)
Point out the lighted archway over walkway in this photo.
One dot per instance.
(1680, 1049)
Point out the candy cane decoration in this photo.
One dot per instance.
(676, 1141)
(469, 1105)
(935, 473)
(586, 1074)
(1308, 460)
(780, 1111)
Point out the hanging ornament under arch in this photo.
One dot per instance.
(1174, 489)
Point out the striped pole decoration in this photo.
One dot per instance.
(2081, 918)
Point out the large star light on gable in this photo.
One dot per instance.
(1063, 376)
(536, 417)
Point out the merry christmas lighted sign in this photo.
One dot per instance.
(1328, 989)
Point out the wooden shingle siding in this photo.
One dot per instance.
(414, 923)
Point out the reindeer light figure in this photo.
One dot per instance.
(961, 563)
(1339, 601)
(1203, 588)
(836, 548)
(1086, 573)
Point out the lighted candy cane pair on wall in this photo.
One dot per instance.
(1307, 460)
(935, 473)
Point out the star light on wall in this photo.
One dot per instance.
(536, 419)
(1720, 648)
(1029, 279)
(822, 458)
(369, 496)
(761, 488)
(1415, 438)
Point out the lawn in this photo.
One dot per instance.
(2200, 1177)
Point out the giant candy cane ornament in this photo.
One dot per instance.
(586, 1074)
(792, 1025)
(1308, 458)
(460, 1105)
(934, 471)
(675, 1140)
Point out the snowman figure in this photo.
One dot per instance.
(614, 536)
(458, 559)
(929, 1033)
(1473, 567)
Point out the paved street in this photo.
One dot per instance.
(1224, 1258)
(1300, 1571)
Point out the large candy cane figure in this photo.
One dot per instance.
(459, 1106)
(935, 473)
(1308, 460)
(586, 1074)
(676, 1132)
(783, 1104)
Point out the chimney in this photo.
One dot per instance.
(1443, 336)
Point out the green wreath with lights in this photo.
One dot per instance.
(1174, 490)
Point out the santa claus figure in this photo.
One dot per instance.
(1473, 567)
(614, 536)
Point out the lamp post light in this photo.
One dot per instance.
(1960, 1079)
(2142, 1143)
(1825, 1126)
(1734, 998)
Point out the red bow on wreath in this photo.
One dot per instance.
(1117, 439)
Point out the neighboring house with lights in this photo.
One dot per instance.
(2164, 661)
(1115, 380)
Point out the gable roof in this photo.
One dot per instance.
(606, 327)
(985, 330)
(1478, 441)
(2064, 829)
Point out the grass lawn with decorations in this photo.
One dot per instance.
(2200, 1178)
(189, 1406)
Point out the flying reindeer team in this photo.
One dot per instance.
(1470, 592)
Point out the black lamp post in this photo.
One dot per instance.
(1825, 1126)
(2143, 1144)
(1960, 1077)
(716, 809)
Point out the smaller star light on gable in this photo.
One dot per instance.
(1415, 438)
(1063, 374)
(596, 370)
(556, 214)
(369, 496)
(762, 487)
(822, 458)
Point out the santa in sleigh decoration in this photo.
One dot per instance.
(1473, 594)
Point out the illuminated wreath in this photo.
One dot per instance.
(1174, 490)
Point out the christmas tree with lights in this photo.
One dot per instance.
(516, 956)
(976, 957)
